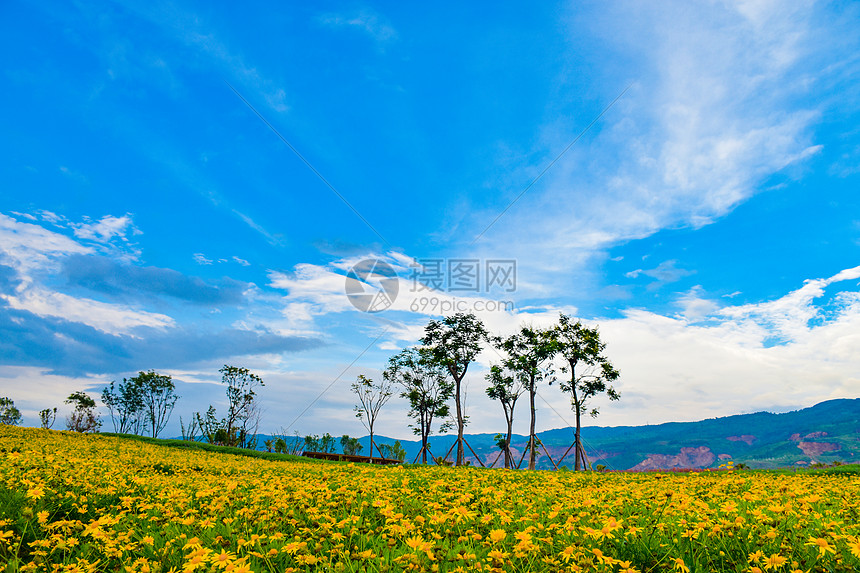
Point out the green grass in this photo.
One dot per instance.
(205, 447)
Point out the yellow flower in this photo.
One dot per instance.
(567, 553)
(679, 565)
(36, 492)
(854, 546)
(822, 544)
(221, 560)
(775, 560)
(497, 535)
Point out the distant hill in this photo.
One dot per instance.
(825, 433)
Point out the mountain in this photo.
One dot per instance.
(825, 433)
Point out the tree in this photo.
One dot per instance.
(125, 404)
(394, 451)
(324, 443)
(9, 414)
(453, 343)
(507, 389)
(158, 397)
(211, 428)
(590, 371)
(189, 432)
(371, 398)
(425, 384)
(528, 354)
(84, 417)
(47, 417)
(243, 412)
(350, 446)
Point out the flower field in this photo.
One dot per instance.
(73, 502)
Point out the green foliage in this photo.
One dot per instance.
(157, 394)
(425, 384)
(393, 451)
(126, 407)
(239, 427)
(372, 397)
(350, 446)
(206, 447)
(507, 389)
(590, 371)
(9, 414)
(324, 444)
(210, 425)
(453, 343)
(243, 411)
(47, 417)
(527, 359)
(84, 417)
(292, 445)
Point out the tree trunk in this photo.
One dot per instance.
(578, 453)
(509, 460)
(460, 452)
(532, 392)
(424, 448)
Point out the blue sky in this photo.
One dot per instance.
(708, 221)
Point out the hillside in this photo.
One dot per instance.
(825, 433)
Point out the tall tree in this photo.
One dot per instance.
(47, 417)
(426, 385)
(590, 372)
(371, 398)
(505, 387)
(454, 342)
(125, 405)
(243, 413)
(529, 353)
(9, 414)
(157, 396)
(84, 417)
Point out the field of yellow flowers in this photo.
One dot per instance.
(72, 502)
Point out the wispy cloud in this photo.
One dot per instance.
(714, 111)
(367, 21)
(106, 229)
(275, 240)
(664, 273)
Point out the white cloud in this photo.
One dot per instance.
(105, 229)
(714, 111)
(109, 318)
(32, 250)
(26, 246)
(675, 369)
